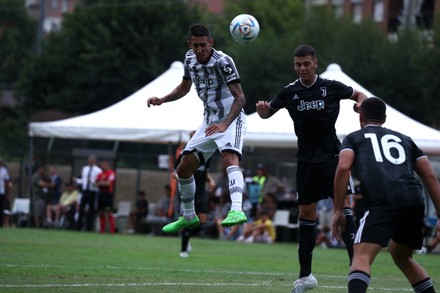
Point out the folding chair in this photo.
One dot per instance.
(20, 211)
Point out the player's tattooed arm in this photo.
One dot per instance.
(238, 104)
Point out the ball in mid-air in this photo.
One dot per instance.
(244, 28)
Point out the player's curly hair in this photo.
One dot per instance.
(199, 30)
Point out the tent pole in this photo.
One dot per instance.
(29, 170)
(139, 169)
(115, 146)
(173, 180)
(49, 149)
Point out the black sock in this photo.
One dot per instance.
(358, 282)
(186, 234)
(424, 286)
(306, 244)
(349, 233)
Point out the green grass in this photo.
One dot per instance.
(33, 260)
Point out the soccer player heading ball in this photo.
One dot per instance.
(217, 82)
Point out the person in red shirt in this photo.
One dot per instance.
(106, 185)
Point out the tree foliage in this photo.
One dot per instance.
(105, 51)
(17, 43)
(266, 64)
(17, 39)
(401, 70)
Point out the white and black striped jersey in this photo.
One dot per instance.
(211, 81)
(314, 111)
(384, 165)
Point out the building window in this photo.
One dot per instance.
(64, 6)
(338, 8)
(356, 11)
(378, 11)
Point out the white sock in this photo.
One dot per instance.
(236, 184)
(187, 188)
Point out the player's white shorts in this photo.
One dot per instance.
(229, 140)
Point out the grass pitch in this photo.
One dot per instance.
(34, 260)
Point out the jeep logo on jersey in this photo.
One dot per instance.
(316, 105)
(203, 80)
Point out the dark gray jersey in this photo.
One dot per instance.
(314, 111)
(384, 165)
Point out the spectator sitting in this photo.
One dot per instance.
(139, 212)
(66, 204)
(214, 213)
(325, 217)
(226, 233)
(261, 231)
(163, 206)
(433, 243)
(268, 205)
(165, 211)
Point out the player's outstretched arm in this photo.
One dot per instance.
(342, 175)
(181, 90)
(358, 97)
(264, 110)
(424, 170)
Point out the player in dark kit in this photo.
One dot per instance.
(384, 162)
(313, 105)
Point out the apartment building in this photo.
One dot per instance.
(51, 11)
(388, 14)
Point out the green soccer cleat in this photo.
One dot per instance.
(234, 218)
(180, 224)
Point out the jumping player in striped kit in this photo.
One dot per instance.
(217, 82)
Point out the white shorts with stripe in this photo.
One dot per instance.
(229, 140)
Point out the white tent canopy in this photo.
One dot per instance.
(279, 131)
(131, 119)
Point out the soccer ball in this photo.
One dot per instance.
(244, 28)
